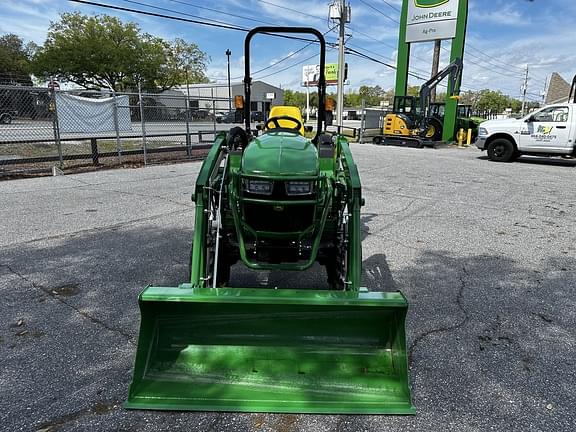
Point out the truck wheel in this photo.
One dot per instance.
(6, 119)
(501, 150)
(377, 140)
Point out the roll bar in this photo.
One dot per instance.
(321, 80)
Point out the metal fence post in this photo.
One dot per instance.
(188, 138)
(213, 109)
(142, 122)
(95, 154)
(116, 127)
(56, 127)
(362, 122)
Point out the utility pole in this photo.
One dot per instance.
(435, 66)
(524, 90)
(343, 17)
(544, 91)
(228, 53)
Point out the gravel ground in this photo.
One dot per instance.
(485, 253)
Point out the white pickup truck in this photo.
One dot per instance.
(550, 131)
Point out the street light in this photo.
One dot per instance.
(228, 53)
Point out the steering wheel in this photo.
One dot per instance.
(276, 122)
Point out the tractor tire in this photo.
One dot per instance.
(337, 262)
(501, 150)
(224, 266)
(434, 132)
(335, 282)
(6, 119)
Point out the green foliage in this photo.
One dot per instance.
(413, 91)
(15, 60)
(102, 51)
(495, 101)
(484, 100)
(372, 95)
(185, 62)
(294, 98)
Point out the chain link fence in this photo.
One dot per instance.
(43, 129)
(371, 123)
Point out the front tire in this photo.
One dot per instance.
(434, 132)
(501, 150)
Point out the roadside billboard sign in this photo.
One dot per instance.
(311, 74)
(430, 20)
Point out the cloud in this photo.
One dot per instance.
(503, 14)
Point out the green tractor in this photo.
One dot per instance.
(274, 201)
(465, 119)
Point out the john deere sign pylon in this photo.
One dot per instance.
(425, 21)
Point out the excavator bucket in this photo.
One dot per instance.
(267, 350)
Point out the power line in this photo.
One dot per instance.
(384, 44)
(392, 6)
(489, 64)
(292, 10)
(379, 11)
(367, 57)
(220, 11)
(216, 24)
(224, 26)
(490, 57)
(178, 12)
(288, 67)
(123, 9)
(384, 57)
(284, 58)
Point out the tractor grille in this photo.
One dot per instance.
(263, 217)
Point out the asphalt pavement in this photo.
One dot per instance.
(485, 253)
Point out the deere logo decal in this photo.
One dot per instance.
(429, 3)
(544, 130)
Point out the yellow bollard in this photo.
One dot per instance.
(469, 138)
(461, 136)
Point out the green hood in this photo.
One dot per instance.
(280, 154)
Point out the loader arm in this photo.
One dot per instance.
(201, 196)
(355, 202)
(454, 73)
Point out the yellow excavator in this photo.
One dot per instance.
(411, 122)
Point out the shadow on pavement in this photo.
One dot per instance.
(491, 341)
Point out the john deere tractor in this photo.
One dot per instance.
(274, 201)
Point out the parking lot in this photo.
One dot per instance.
(484, 252)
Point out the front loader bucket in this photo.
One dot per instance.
(259, 350)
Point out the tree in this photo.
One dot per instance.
(493, 101)
(413, 91)
(372, 95)
(15, 60)
(185, 62)
(102, 51)
(298, 98)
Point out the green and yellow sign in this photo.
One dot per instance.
(311, 74)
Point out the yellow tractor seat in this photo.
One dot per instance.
(290, 111)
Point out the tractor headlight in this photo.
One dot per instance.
(299, 188)
(482, 131)
(260, 187)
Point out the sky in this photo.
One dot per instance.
(504, 36)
